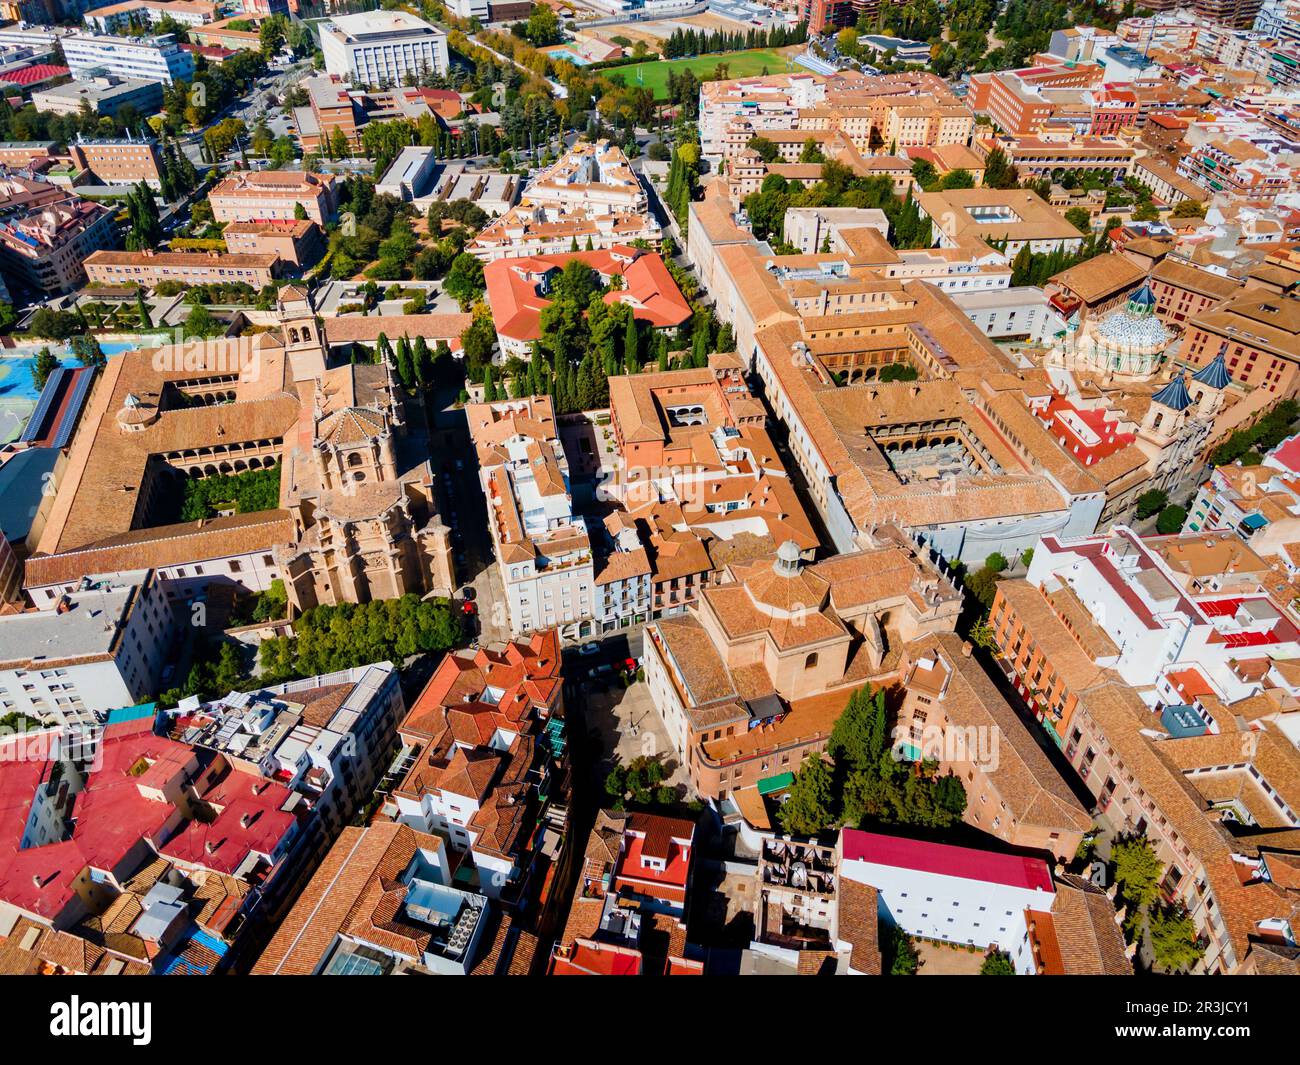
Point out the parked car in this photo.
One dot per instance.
(589, 649)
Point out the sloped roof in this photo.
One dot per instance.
(1214, 373)
(1174, 395)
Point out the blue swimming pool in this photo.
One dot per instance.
(565, 53)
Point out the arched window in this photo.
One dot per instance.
(354, 459)
(810, 661)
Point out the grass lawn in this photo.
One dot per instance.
(739, 65)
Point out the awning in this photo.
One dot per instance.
(768, 785)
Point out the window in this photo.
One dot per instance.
(811, 661)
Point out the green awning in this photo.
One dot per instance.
(768, 785)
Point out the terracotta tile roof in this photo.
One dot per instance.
(1100, 277)
(647, 287)
(1032, 788)
(860, 925)
(366, 328)
(164, 545)
(348, 882)
(1081, 936)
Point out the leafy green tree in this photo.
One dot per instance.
(55, 325)
(1151, 502)
(201, 323)
(767, 151)
(271, 35)
(957, 179)
(981, 635)
(329, 638)
(631, 345)
(898, 371)
(87, 350)
(811, 152)
(983, 585)
(1080, 219)
(1174, 941)
(860, 736)
(245, 492)
(900, 957)
(543, 27)
(996, 963)
(464, 281)
(998, 171)
(404, 363)
(809, 808)
(1171, 520)
(1137, 870)
(44, 365)
(144, 224)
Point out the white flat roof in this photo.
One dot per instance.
(382, 23)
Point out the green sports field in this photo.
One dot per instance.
(654, 75)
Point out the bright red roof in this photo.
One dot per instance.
(249, 821)
(1089, 434)
(120, 805)
(946, 860)
(110, 815)
(1288, 453)
(34, 73)
(597, 959)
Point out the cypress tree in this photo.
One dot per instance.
(405, 368)
(631, 349)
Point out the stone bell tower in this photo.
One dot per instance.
(304, 341)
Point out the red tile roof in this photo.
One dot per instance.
(648, 287)
(597, 959)
(34, 73)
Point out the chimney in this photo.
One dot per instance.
(965, 648)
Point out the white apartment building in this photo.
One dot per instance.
(762, 103)
(158, 58)
(1006, 313)
(111, 17)
(1155, 625)
(104, 96)
(542, 548)
(469, 9)
(16, 35)
(335, 761)
(953, 894)
(382, 47)
(1280, 19)
(623, 585)
(100, 648)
